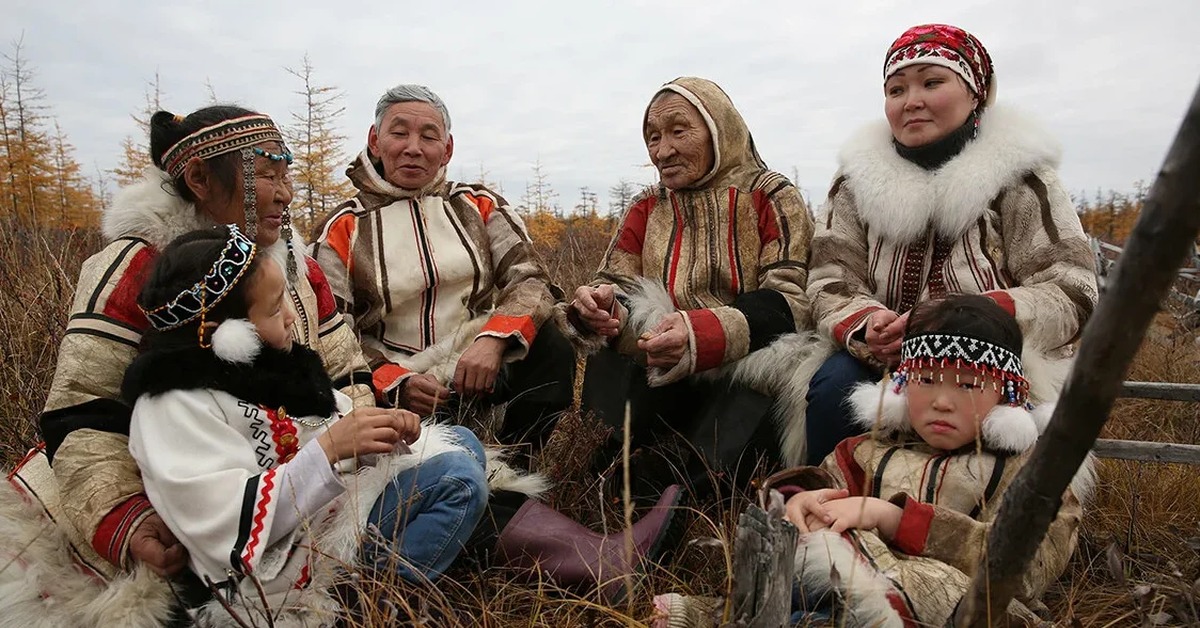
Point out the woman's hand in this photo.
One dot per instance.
(885, 333)
(807, 511)
(153, 543)
(368, 431)
(596, 308)
(665, 344)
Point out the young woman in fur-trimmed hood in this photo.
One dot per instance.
(951, 194)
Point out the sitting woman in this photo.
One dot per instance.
(703, 273)
(951, 194)
(253, 459)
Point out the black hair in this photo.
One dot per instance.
(970, 315)
(184, 262)
(166, 129)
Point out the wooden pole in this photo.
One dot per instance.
(1161, 239)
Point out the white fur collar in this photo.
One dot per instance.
(901, 201)
(150, 209)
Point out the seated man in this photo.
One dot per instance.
(439, 279)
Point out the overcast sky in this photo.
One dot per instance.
(566, 82)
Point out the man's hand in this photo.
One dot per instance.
(597, 309)
(478, 366)
(864, 513)
(153, 544)
(664, 345)
(807, 511)
(885, 332)
(422, 393)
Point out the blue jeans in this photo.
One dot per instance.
(424, 516)
(828, 419)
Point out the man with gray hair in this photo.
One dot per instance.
(441, 283)
(440, 280)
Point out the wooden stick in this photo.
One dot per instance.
(1147, 451)
(1161, 390)
(1161, 239)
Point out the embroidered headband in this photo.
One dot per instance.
(194, 302)
(948, 46)
(237, 134)
(223, 137)
(941, 350)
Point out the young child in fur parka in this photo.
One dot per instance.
(268, 476)
(894, 522)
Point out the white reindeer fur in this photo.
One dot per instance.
(36, 557)
(899, 200)
(865, 590)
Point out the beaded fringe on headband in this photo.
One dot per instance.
(985, 359)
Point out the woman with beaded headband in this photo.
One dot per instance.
(950, 193)
(84, 476)
(217, 165)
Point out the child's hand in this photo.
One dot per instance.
(409, 426)
(367, 431)
(864, 513)
(807, 510)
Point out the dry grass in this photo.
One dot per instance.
(38, 269)
(1138, 547)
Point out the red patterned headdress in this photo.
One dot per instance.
(948, 46)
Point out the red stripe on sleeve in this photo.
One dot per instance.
(710, 338)
(326, 306)
(386, 375)
(914, 527)
(768, 223)
(510, 325)
(850, 323)
(856, 479)
(633, 230)
(121, 304)
(114, 528)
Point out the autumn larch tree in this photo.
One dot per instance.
(318, 182)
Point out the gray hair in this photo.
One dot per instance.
(410, 92)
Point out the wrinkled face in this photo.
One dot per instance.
(925, 103)
(678, 140)
(273, 192)
(412, 143)
(270, 308)
(946, 406)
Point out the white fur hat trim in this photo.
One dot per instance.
(236, 341)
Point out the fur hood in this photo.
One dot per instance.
(151, 210)
(901, 201)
